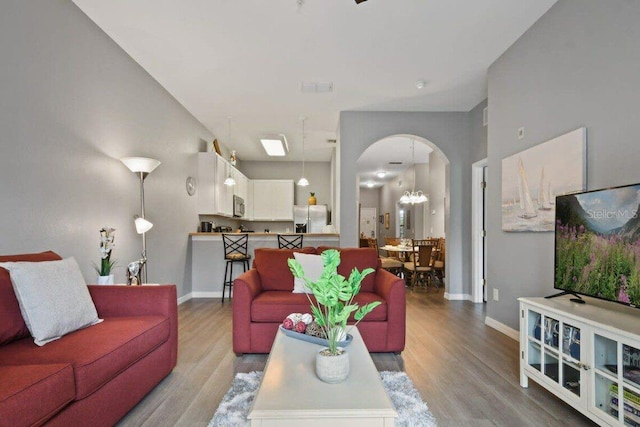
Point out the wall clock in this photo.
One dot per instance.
(191, 186)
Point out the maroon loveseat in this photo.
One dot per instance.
(262, 298)
(93, 376)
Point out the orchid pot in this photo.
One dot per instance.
(106, 280)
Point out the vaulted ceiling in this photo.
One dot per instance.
(238, 66)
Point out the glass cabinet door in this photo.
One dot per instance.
(554, 349)
(571, 353)
(543, 344)
(631, 388)
(606, 393)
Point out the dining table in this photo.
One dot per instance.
(392, 248)
(400, 250)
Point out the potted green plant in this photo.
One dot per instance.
(331, 307)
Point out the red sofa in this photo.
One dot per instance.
(262, 298)
(93, 376)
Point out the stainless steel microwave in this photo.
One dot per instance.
(238, 206)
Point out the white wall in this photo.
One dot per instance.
(72, 104)
(579, 65)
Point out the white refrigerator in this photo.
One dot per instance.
(314, 216)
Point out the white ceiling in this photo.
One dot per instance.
(247, 59)
(379, 156)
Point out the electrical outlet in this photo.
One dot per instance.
(496, 296)
(520, 133)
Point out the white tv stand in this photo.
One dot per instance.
(586, 354)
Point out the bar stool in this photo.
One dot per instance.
(235, 250)
(290, 241)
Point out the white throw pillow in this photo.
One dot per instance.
(53, 297)
(312, 267)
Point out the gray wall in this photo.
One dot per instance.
(450, 132)
(370, 198)
(579, 65)
(437, 196)
(478, 132)
(72, 104)
(318, 174)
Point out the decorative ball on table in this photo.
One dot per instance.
(301, 327)
(315, 330)
(287, 324)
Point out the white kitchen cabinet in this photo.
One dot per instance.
(224, 193)
(215, 198)
(585, 354)
(207, 167)
(273, 199)
(248, 202)
(242, 183)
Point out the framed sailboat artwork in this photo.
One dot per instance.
(531, 179)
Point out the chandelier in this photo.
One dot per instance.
(414, 196)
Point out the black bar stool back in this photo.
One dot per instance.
(290, 241)
(235, 250)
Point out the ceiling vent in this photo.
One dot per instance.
(316, 87)
(395, 163)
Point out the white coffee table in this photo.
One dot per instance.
(292, 395)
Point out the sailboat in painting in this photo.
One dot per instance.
(543, 196)
(525, 196)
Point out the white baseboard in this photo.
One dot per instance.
(217, 294)
(184, 298)
(457, 297)
(501, 327)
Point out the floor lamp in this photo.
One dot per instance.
(142, 166)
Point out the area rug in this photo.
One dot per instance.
(412, 411)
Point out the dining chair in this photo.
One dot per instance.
(418, 268)
(390, 264)
(438, 263)
(235, 251)
(393, 241)
(290, 241)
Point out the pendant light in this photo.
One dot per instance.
(303, 182)
(414, 196)
(230, 182)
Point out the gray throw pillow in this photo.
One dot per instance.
(312, 266)
(53, 297)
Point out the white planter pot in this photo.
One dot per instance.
(106, 280)
(332, 369)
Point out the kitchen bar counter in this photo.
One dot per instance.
(269, 234)
(208, 263)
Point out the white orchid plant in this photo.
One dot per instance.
(107, 244)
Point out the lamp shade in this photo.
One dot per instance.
(303, 182)
(229, 181)
(142, 225)
(140, 164)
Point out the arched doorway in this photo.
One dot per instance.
(448, 131)
(398, 164)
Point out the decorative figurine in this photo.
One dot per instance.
(133, 271)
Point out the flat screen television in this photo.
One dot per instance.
(597, 244)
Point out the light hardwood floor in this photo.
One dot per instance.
(465, 371)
